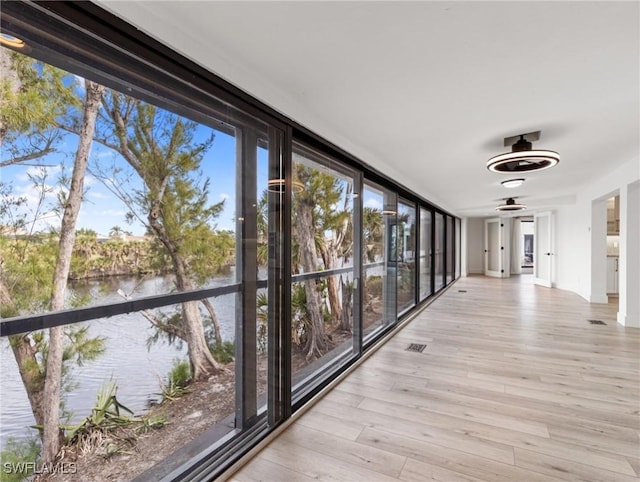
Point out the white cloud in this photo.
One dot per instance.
(98, 195)
(224, 196)
(373, 203)
(112, 213)
(49, 172)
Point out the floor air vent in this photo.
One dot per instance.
(462, 291)
(416, 347)
(596, 322)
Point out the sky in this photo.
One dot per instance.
(38, 183)
(101, 209)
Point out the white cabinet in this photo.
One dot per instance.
(613, 215)
(612, 274)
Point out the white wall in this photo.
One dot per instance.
(475, 245)
(580, 242)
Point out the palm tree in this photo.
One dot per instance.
(116, 232)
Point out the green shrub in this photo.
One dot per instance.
(224, 353)
(180, 374)
(177, 381)
(18, 459)
(374, 286)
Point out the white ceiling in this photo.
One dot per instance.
(426, 91)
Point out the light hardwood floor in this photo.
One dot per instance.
(514, 385)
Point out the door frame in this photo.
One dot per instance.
(499, 247)
(543, 249)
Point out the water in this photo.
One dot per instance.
(136, 370)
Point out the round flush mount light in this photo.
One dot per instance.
(511, 183)
(8, 40)
(511, 205)
(278, 185)
(523, 158)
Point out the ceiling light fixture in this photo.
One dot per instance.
(11, 41)
(511, 205)
(278, 185)
(511, 183)
(522, 157)
(389, 210)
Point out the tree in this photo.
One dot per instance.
(172, 203)
(35, 98)
(53, 435)
(372, 234)
(116, 232)
(305, 229)
(337, 242)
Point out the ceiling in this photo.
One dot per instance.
(426, 91)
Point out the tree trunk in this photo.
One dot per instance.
(330, 258)
(28, 367)
(347, 306)
(317, 341)
(53, 436)
(30, 373)
(202, 362)
(214, 321)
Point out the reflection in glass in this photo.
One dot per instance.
(380, 246)
(450, 257)
(439, 252)
(425, 253)
(406, 255)
(457, 248)
(322, 240)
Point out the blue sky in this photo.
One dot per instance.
(38, 183)
(101, 209)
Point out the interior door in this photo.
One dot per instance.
(543, 259)
(493, 262)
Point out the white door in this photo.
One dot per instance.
(543, 252)
(493, 262)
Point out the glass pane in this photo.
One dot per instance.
(406, 256)
(439, 252)
(450, 257)
(169, 204)
(425, 253)
(458, 247)
(379, 230)
(147, 370)
(322, 240)
(157, 201)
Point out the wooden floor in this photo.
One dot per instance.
(514, 385)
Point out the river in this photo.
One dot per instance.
(136, 369)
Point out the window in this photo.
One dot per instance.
(439, 259)
(450, 252)
(458, 242)
(379, 253)
(169, 269)
(322, 264)
(425, 253)
(225, 263)
(406, 256)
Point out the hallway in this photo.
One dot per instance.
(514, 384)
